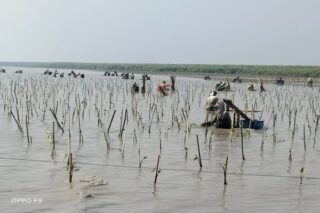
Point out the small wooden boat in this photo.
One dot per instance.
(222, 86)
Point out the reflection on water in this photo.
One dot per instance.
(266, 181)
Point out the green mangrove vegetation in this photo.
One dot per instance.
(274, 70)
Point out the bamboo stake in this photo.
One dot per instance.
(53, 141)
(114, 112)
(20, 128)
(304, 138)
(199, 154)
(27, 129)
(124, 122)
(70, 168)
(157, 170)
(225, 168)
(55, 117)
(243, 158)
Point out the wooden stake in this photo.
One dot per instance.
(114, 112)
(157, 170)
(199, 154)
(243, 158)
(70, 168)
(304, 138)
(225, 168)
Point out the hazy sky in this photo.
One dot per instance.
(161, 31)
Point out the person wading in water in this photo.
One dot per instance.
(162, 87)
(217, 112)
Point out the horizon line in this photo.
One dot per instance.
(143, 63)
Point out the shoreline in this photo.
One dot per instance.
(292, 80)
(299, 71)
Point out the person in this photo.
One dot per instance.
(217, 108)
(163, 88)
(222, 119)
(135, 87)
(173, 82)
(250, 87)
(211, 101)
(210, 106)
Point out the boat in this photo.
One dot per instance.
(222, 86)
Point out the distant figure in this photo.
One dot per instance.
(143, 88)
(162, 87)
(135, 87)
(173, 82)
(262, 89)
(250, 87)
(55, 73)
(72, 73)
(110, 73)
(148, 77)
(310, 82)
(279, 81)
(47, 72)
(125, 75)
(237, 80)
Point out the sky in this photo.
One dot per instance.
(269, 32)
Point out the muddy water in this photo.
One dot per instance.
(266, 181)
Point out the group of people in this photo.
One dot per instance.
(216, 110)
(162, 87)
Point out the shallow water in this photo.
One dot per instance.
(265, 181)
